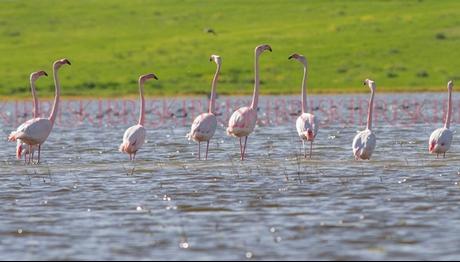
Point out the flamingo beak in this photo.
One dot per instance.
(290, 57)
(44, 73)
(67, 62)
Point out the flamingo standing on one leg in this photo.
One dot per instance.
(441, 138)
(243, 121)
(306, 124)
(204, 126)
(364, 142)
(134, 137)
(23, 148)
(39, 129)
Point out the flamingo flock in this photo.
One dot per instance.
(32, 134)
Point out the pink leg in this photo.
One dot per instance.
(244, 148)
(30, 150)
(39, 151)
(134, 156)
(304, 149)
(311, 148)
(207, 149)
(241, 149)
(199, 150)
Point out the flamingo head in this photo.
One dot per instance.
(309, 134)
(450, 85)
(146, 77)
(432, 146)
(36, 75)
(299, 58)
(370, 83)
(57, 64)
(216, 59)
(261, 48)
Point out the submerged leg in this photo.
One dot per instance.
(207, 149)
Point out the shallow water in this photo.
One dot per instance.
(86, 201)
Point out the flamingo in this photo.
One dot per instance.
(22, 148)
(38, 130)
(307, 124)
(364, 142)
(243, 121)
(134, 137)
(204, 126)
(441, 138)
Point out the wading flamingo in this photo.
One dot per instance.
(243, 121)
(306, 124)
(441, 139)
(134, 137)
(39, 129)
(204, 126)
(23, 148)
(364, 142)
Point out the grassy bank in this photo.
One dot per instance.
(409, 46)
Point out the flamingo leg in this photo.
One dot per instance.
(244, 148)
(311, 148)
(134, 156)
(444, 155)
(241, 149)
(32, 156)
(199, 150)
(30, 150)
(130, 157)
(304, 149)
(207, 149)
(39, 151)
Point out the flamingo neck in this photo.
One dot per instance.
(34, 99)
(255, 96)
(304, 90)
(449, 111)
(212, 102)
(142, 102)
(371, 109)
(57, 86)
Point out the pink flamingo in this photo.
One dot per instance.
(38, 130)
(22, 148)
(307, 124)
(243, 121)
(204, 126)
(441, 138)
(134, 137)
(365, 141)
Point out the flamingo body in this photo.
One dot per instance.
(203, 127)
(307, 127)
(242, 122)
(364, 145)
(133, 139)
(35, 132)
(440, 141)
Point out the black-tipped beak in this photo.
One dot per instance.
(68, 62)
(155, 77)
(210, 59)
(364, 83)
(44, 73)
(270, 49)
(290, 57)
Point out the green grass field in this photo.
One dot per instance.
(403, 45)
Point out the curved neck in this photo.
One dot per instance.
(449, 110)
(34, 99)
(370, 110)
(142, 102)
(57, 86)
(304, 90)
(212, 102)
(255, 96)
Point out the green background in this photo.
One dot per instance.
(402, 45)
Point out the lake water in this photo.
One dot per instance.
(87, 201)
